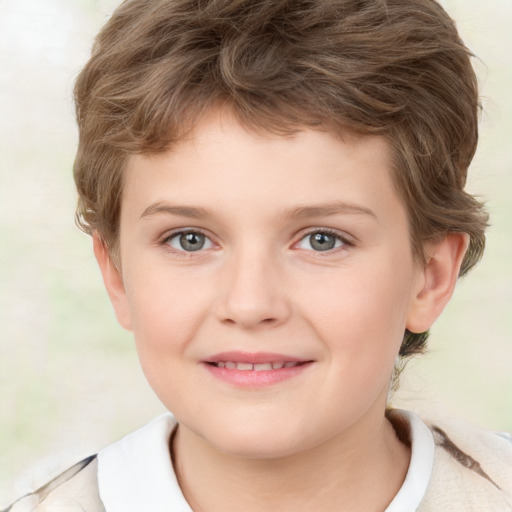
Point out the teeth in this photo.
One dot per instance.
(232, 365)
(261, 367)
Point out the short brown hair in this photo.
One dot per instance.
(395, 68)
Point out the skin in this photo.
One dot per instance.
(318, 440)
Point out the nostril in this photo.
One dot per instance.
(249, 309)
(250, 322)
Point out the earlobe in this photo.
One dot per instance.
(437, 282)
(113, 280)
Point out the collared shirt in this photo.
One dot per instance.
(136, 473)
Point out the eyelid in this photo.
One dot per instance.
(169, 235)
(346, 240)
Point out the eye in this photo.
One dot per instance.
(189, 241)
(320, 241)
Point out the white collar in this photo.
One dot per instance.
(136, 473)
(418, 475)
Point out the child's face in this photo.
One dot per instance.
(243, 248)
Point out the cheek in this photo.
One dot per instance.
(164, 307)
(164, 315)
(362, 317)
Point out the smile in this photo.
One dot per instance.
(250, 370)
(233, 365)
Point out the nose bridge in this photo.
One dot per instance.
(253, 293)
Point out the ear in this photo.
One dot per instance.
(113, 280)
(437, 281)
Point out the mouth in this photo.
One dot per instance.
(255, 370)
(256, 367)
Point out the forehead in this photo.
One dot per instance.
(223, 165)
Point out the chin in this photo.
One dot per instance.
(256, 447)
(260, 440)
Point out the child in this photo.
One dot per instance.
(275, 195)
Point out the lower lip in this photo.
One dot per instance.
(253, 379)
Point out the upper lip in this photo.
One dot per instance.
(254, 358)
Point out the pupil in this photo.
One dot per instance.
(192, 241)
(322, 241)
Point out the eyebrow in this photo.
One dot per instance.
(324, 210)
(182, 211)
(298, 212)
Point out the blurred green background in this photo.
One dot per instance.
(69, 379)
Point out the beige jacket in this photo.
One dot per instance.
(472, 473)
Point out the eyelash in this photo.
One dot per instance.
(324, 231)
(345, 242)
(181, 252)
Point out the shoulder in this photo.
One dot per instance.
(74, 490)
(472, 469)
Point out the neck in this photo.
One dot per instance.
(359, 470)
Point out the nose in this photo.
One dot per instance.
(253, 294)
